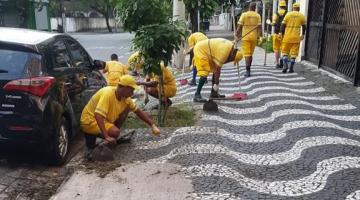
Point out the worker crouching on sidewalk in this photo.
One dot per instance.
(107, 110)
(152, 86)
(209, 56)
(192, 40)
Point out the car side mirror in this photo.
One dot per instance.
(98, 65)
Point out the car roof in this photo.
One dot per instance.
(24, 36)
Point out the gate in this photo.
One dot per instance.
(333, 36)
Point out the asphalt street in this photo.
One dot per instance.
(101, 46)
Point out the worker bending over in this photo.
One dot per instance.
(192, 40)
(209, 56)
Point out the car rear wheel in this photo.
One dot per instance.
(60, 143)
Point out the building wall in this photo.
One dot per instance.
(82, 24)
(304, 7)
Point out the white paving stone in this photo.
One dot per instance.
(215, 195)
(317, 180)
(256, 90)
(258, 159)
(248, 138)
(187, 88)
(267, 105)
(354, 196)
(277, 114)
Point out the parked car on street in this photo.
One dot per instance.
(45, 81)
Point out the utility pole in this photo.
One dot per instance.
(290, 2)
(275, 6)
(179, 14)
(61, 28)
(263, 16)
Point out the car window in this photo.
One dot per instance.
(79, 55)
(60, 56)
(15, 62)
(34, 66)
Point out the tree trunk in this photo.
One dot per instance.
(107, 22)
(193, 19)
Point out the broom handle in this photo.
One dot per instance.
(238, 71)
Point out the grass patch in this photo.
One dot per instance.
(179, 115)
(266, 45)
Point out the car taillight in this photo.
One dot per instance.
(37, 86)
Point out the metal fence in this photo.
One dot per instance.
(333, 36)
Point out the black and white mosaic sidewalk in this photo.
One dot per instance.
(292, 139)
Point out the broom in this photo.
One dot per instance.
(183, 81)
(237, 95)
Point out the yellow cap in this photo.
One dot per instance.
(282, 3)
(129, 81)
(238, 56)
(296, 5)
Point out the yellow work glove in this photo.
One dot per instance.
(155, 130)
(279, 36)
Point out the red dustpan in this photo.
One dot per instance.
(183, 81)
(239, 96)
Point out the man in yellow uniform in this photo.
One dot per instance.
(276, 22)
(291, 28)
(135, 63)
(152, 85)
(192, 40)
(114, 70)
(106, 111)
(250, 30)
(209, 56)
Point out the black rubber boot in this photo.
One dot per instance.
(285, 68)
(281, 63)
(198, 98)
(214, 94)
(291, 69)
(192, 82)
(247, 73)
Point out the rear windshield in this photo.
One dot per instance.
(20, 62)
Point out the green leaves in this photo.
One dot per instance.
(137, 13)
(157, 42)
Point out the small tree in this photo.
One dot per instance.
(156, 36)
(137, 13)
(156, 43)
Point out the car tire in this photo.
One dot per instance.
(60, 143)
